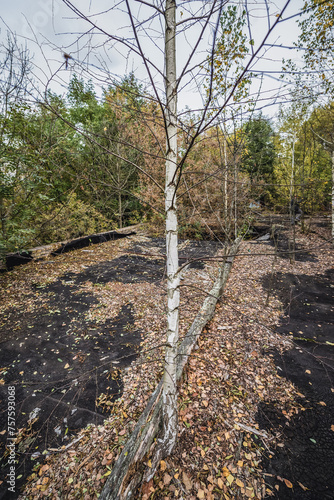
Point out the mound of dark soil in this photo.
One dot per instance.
(65, 368)
(307, 457)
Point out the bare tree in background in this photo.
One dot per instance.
(15, 70)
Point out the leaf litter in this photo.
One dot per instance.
(220, 444)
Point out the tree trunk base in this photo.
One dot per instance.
(130, 470)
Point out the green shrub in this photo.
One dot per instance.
(70, 220)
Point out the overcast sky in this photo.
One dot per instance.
(50, 28)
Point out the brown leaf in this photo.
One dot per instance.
(302, 486)
(249, 492)
(167, 479)
(147, 489)
(332, 428)
(226, 472)
(163, 465)
(186, 481)
(288, 483)
(43, 469)
(200, 494)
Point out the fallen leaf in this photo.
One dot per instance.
(308, 371)
(230, 479)
(288, 483)
(226, 472)
(322, 403)
(167, 479)
(147, 489)
(249, 492)
(239, 483)
(200, 494)
(67, 365)
(302, 486)
(186, 481)
(43, 469)
(205, 403)
(332, 428)
(163, 465)
(220, 483)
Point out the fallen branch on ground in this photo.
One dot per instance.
(129, 470)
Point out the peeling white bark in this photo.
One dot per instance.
(173, 280)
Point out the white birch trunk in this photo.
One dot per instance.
(170, 422)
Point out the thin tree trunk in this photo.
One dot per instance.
(225, 181)
(235, 199)
(120, 208)
(333, 196)
(3, 245)
(170, 421)
(292, 203)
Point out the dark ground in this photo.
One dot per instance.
(61, 363)
(307, 457)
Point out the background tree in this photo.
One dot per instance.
(259, 152)
(15, 68)
(316, 41)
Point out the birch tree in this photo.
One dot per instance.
(174, 45)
